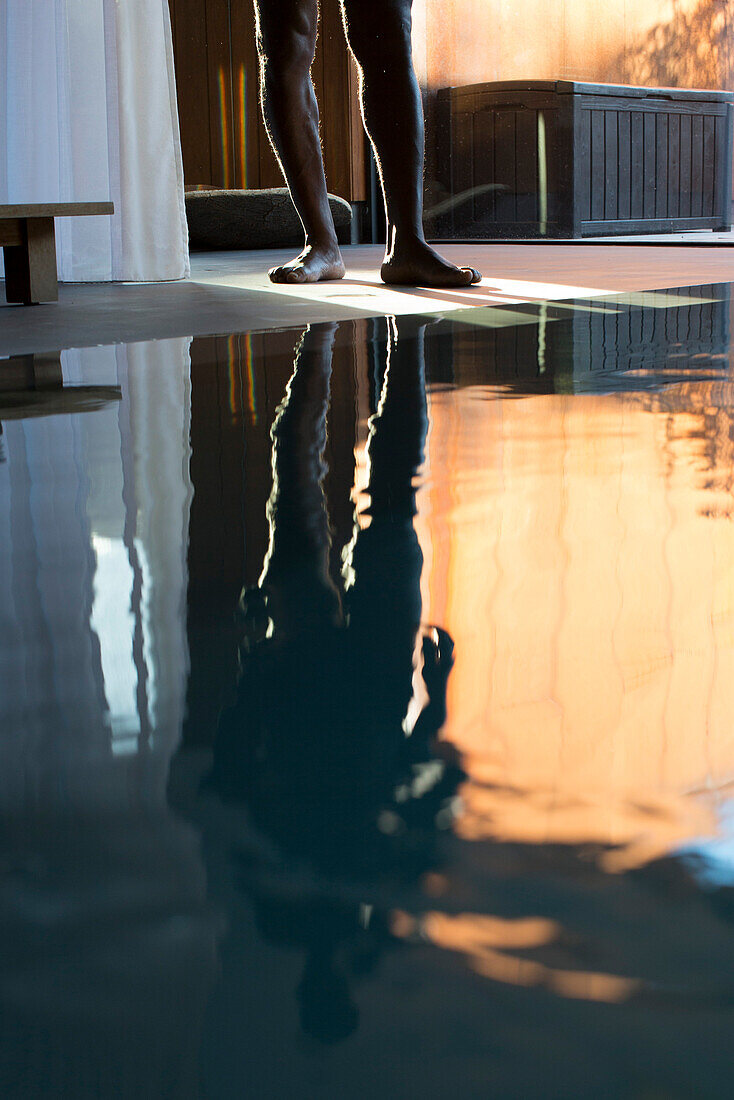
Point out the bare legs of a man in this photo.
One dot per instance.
(379, 36)
(286, 41)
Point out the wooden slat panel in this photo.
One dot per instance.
(637, 164)
(611, 167)
(331, 80)
(709, 161)
(584, 177)
(727, 167)
(720, 153)
(505, 161)
(650, 225)
(343, 133)
(188, 19)
(221, 129)
(598, 165)
(269, 171)
(358, 139)
(461, 163)
(484, 170)
(624, 200)
(661, 162)
(673, 165)
(245, 97)
(526, 152)
(697, 166)
(469, 209)
(684, 196)
(648, 201)
(566, 168)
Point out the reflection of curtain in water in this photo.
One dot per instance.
(94, 649)
(106, 903)
(51, 703)
(160, 416)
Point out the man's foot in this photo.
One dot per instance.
(314, 265)
(420, 265)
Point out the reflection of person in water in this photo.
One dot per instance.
(318, 744)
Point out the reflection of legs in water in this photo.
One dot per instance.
(290, 619)
(385, 602)
(295, 572)
(286, 32)
(379, 34)
(400, 424)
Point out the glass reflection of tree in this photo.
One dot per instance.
(318, 743)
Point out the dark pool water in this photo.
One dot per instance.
(366, 709)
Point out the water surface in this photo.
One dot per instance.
(367, 711)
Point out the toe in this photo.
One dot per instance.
(296, 275)
(474, 275)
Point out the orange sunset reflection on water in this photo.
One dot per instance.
(581, 554)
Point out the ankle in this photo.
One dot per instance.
(402, 240)
(326, 244)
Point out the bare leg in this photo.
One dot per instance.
(379, 36)
(286, 40)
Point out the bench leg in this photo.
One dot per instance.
(31, 372)
(30, 267)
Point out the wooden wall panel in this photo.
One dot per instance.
(342, 134)
(188, 23)
(222, 133)
(256, 163)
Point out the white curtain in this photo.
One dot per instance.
(88, 113)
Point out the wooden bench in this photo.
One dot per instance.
(33, 385)
(29, 246)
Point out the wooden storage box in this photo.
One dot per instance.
(564, 159)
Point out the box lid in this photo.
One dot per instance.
(576, 87)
